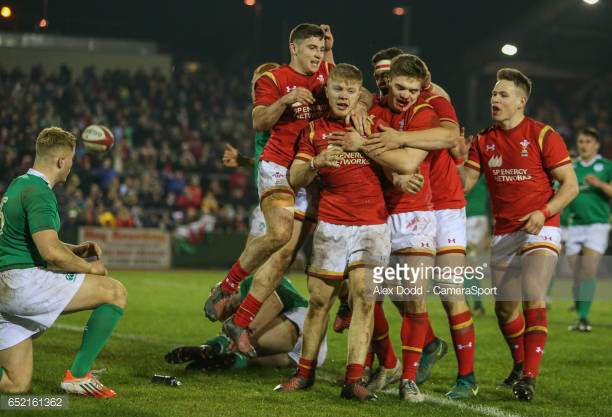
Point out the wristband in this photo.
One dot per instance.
(312, 165)
(546, 212)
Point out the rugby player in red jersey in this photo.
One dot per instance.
(351, 237)
(520, 157)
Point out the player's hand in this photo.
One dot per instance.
(329, 38)
(534, 222)
(299, 95)
(409, 183)
(359, 119)
(230, 157)
(386, 140)
(87, 250)
(97, 268)
(593, 180)
(349, 141)
(330, 157)
(460, 150)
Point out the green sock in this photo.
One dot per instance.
(221, 341)
(586, 294)
(100, 326)
(575, 294)
(241, 361)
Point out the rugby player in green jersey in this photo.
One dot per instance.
(477, 212)
(587, 238)
(42, 277)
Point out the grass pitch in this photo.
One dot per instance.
(165, 310)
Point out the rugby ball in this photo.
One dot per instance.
(97, 138)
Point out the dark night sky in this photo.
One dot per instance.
(229, 34)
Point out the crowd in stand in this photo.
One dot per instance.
(165, 170)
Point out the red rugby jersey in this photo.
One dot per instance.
(517, 164)
(350, 194)
(418, 117)
(271, 86)
(446, 188)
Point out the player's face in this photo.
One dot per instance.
(309, 54)
(403, 92)
(382, 81)
(506, 101)
(342, 96)
(587, 146)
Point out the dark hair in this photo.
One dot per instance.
(590, 131)
(388, 53)
(408, 65)
(518, 78)
(346, 72)
(305, 31)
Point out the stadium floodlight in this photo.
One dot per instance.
(591, 2)
(509, 49)
(43, 23)
(250, 2)
(399, 11)
(6, 12)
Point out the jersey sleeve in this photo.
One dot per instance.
(444, 109)
(306, 149)
(266, 90)
(474, 160)
(554, 151)
(40, 208)
(423, 117)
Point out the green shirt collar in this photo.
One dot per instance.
(588, 164)
(40, 175)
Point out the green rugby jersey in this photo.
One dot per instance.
(477, 199)
(592, 205)
(28, 206)
(289, 296)
(261, 138)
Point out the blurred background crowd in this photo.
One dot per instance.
(165, 170)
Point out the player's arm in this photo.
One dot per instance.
(85, 249)
(402, 161)
(469, 177)
(305, 169)
(59, 255)
(605, 187)
(443, 137)
(328, 56)
(567, 191)
(471, 170)
(270, 104)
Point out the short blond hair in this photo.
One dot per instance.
(52, 138)
(346, 72)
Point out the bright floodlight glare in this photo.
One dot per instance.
(6, 12)
(509, 49)
(43, 23)
(591, 2)
(399, 11)
(249, 2)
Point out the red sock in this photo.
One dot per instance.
(369, 360)
(414, 327)
(513, 332)
(234, 277)
(381, 342)
(462, 332)
(247, 311)
(535, 339)
(306, 368)
(354, 372)
(430, 336)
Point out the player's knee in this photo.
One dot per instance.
(19, 386)
(318, 304)
(119, 294)
(504, 312)
(415, 306)
(278, 237)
